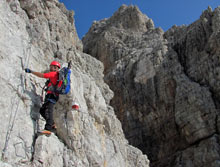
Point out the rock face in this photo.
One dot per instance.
(33, 33)
(165, 84)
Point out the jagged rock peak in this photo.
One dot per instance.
(127, 28)
(127, 18)
(130, 17)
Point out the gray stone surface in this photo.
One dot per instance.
(165, 84)
(33, 33)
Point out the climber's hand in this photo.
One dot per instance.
(27, 70)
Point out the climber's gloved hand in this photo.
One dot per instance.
(27, 70)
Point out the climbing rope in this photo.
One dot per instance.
(16, 103)
(27, 149)
(26, 63)
(10, 128)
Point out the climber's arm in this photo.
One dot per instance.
(38, 74)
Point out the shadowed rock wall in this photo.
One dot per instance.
(165, 84)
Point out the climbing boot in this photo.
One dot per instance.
(44, 132)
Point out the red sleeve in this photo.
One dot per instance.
(50, 74)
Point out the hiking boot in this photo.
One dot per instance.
(44, 132)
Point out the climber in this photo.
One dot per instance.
(51, 97)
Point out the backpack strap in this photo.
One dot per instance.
(45, 88)
(69, 64)
(51, 88)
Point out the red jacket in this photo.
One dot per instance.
(53, 76)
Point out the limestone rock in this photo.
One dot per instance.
(165, 84)
(122, 30)
(33, 33)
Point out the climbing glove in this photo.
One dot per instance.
(27, 70)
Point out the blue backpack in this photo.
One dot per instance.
(63, 84)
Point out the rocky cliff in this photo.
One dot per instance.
(165, 84)
(33, 33)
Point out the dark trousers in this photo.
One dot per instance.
(46, 110)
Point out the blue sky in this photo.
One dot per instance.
(164, 13)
